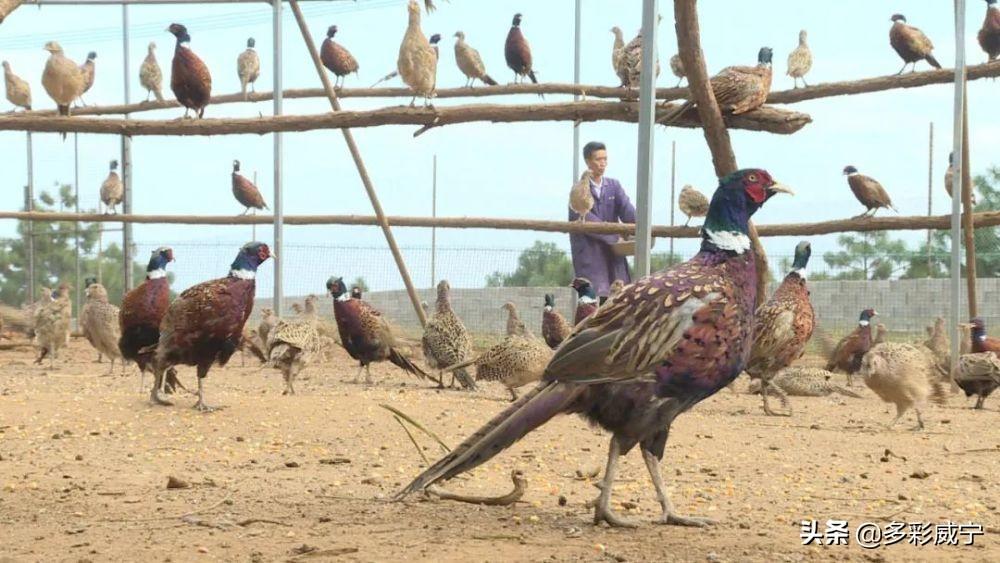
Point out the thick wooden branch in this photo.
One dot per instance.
(816, 91)
(911, 223)
(8, 6)
(767, 119)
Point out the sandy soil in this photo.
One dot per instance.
(84, 464)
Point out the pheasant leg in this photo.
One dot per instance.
(368, 375)
(765, 384)
(357, 376)
(669, 515)
(154, 394)
(920, 420)
(201, 405)
(513, 394)
(602, 508)
(979, 402)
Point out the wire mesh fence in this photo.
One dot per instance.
(907, 294)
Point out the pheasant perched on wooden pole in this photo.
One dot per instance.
(868, 191)
(190, 79)
(204, 325)
(586, 302)
(981, 344)
(446, 340)
(800, 60)
(417, 61)
(581, 198)
(692, 203)
(949, 177)
(667, 342)
(100, 325)
(517, 52)
(470, 63)
(150, 75)
(989, 34)
(365, 335)
(677, 67)
(555, 329)
(910, 44)
(847, 354)
(630, 61)
(783, 326)
(18, 89)
(245, 192)
(336, 58)
(141, 312)
(248, 67)
(112, 189)
(616, 52)
(61, 78)
(89, 71)
(737, 89)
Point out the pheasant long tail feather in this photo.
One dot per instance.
(933, 62)
(460, 365)
(403, 362)
(489, 80)
(826, 342)
(528, 413)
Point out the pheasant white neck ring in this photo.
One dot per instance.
(243, 274)
(801, 272)
(733, 241)
(587, 299)
(863, 323)
(156, 274)
(344, 297)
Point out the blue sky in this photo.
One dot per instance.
(512, 170)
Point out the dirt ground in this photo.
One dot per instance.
(85, 459)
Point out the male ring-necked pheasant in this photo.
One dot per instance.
(783, 326)
(365, 335)
(667, 342)
(555, 329)
(846, 356)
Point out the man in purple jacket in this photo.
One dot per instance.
(592, 255)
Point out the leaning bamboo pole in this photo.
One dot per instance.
(360, 164)
(814, 92)
(769, 119)
(8, 6)
(716, 134)
(967, 224)
(983, 219)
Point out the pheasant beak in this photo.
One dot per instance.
(780, 189)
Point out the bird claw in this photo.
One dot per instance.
(201, 406)
(157, 400)
(672, 519)
(612, 519)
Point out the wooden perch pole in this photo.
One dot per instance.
(814, 92)
(716, 134)
(362, 170)
(981, 220)
(967, 226)
(769, 119)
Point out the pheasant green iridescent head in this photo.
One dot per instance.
(550, 301)
(252, 255)
(584, 289)
(803, 251)
(764, 56)
(737, 198)
(866, 317)
(336, 287)
(158, 261)
(180, 32)
(251, 43)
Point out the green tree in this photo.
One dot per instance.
(987, 240)
(868, 256)
(55, 259)
(544, 264)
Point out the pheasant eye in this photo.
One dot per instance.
(752, 177)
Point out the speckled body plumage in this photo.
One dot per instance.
(365, 335)
(100, 325)
(417, 61)
(204, 325)
(783, 325)
(555, 329)
(515, 361)
(630, 62)
(18, 89)
(190, 80)
(581, 199)
(803, 382)
(662, 345)
(989, 33)
(910, 44)
(52, 323)
(150, 75)
(978, 374)
(61, 78)
(470, 62)
(336, 58)
(291, 346)
(112, 189)
(517, 52)
(89, 71)
(737, 89)
(902, 374)
(616, 52)
(692, 203)
(248, 67)
(446, 341)
(800, 60)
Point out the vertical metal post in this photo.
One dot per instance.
(127, 244)
(576, 80)
(76, 228)
(279, 209)
(673, 191)
(930, 194)
(29, 205)
(644, 183)
(957, 142)
(434, 214)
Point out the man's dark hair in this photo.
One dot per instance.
(591, 147)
